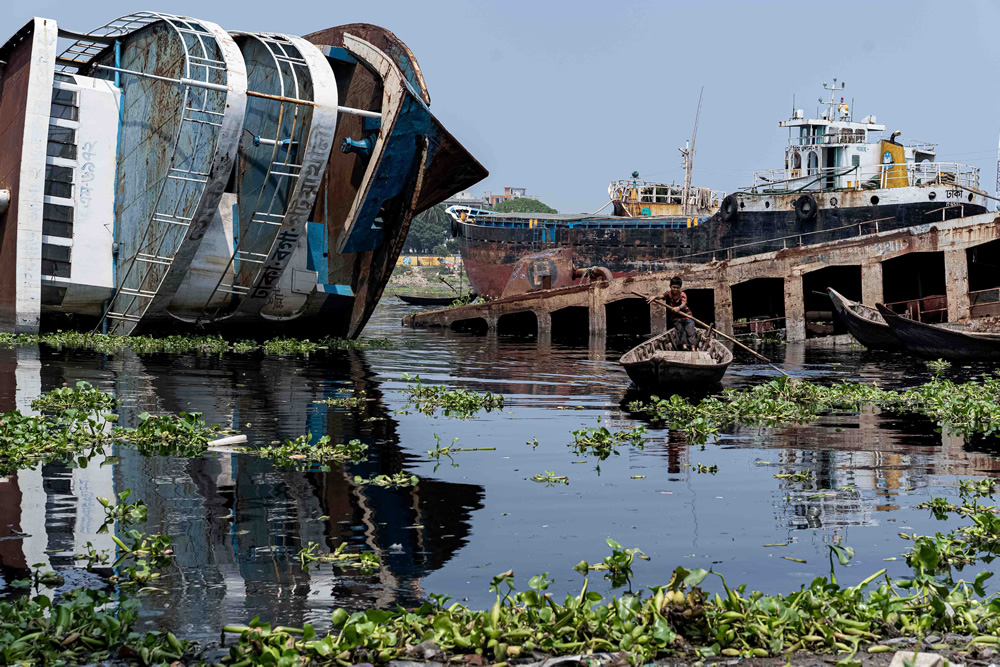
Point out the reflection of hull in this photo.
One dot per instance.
(630, 245)
(250, 179)
(941, 342)
(864, 323)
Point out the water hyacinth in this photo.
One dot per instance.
(459, 403)
(178, 344)
(960, 408)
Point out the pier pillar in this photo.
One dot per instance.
(657, 318)
(956, 284)
(598, 316)
(795, 308)
(491, 322)
(724, 308)
(871, 284)
(544, 318)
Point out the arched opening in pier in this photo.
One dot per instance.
(522, 325)
(984, 279)
(914, 284)
(571, 324)
(476, 325)
(758, 306)
(820, 320)
(627, 317)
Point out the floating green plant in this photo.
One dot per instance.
(81, 626)
(122, 512)
(356, 399)
(602, 442)
(459, 403)
(549, 478)
(302, 452)
(83, 396)
(399, 480)
(366, 561)
(961, 409)
(112, 344)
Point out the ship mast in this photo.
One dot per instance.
(687, 157)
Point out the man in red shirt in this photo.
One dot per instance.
(677, 299)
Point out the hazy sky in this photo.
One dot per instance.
(562, 97)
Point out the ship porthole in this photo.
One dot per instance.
(767, 204)
(833, 201)
(742, 206)
(874, 200)
(970, 196)
(932, 196)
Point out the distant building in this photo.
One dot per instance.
(508, 194)
(465, 198)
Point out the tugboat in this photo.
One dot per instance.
(841, 178)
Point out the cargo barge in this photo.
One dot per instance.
(841, 179)
(163, 173)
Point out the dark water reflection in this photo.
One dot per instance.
(238, 522)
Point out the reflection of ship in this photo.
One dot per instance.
(841, 179)
(237, 521)
(192, 176)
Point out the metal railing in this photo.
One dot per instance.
(867, 177)
(984, 302)
(657, 193)
(932, 308)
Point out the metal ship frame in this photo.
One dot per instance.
(841, 179)
(163, 172)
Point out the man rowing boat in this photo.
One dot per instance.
(677, 300)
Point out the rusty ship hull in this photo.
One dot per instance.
(491, 250)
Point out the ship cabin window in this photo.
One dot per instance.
(797, 162)
(62, 142)
(55, 260)
(64, 105)
(58, 181)
(57, 221)
(855, 160)
(859, 136)
(804, 138)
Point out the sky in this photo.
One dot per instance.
(563, 97)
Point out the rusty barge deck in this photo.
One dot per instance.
(943, 271)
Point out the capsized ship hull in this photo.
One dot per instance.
(196, 178)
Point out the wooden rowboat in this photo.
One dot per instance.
(864, 323)
(660, 363)
(960, 341)
(430, 300)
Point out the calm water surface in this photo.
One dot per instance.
(239, 522)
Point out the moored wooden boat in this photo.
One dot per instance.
(864, 323)
(659, 362)
(954, 342)
(415, 300)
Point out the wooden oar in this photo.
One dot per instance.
(441, 278)
(715, 331)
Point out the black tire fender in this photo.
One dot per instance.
(730, 208)
(806, 208)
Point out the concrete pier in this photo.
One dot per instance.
(930, 268)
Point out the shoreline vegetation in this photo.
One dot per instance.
(679, 620)
(182, 344)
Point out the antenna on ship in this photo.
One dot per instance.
(832, 102)
(687, 154)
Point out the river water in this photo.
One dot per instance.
(238, 522)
